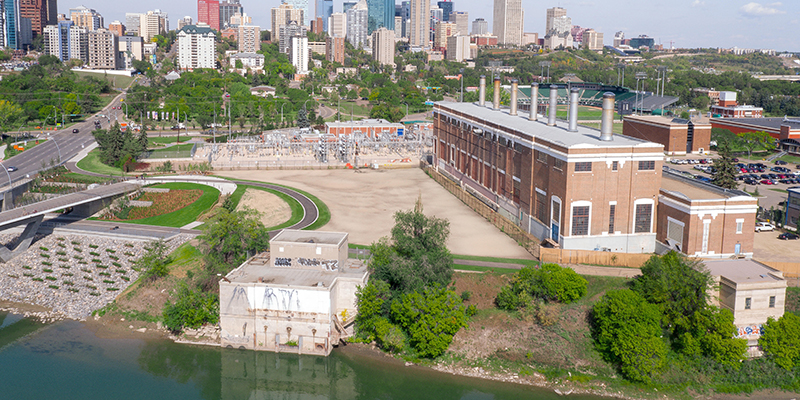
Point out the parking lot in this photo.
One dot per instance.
(767, 247)
(770, 194)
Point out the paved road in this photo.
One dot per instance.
(110, 228)
(63, 145)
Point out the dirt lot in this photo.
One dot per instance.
(363, 204)
(767, 247)
(274, 211)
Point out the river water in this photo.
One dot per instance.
(67, 361)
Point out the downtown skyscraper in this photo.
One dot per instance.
(508, 21)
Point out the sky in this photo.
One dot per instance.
(686, 23)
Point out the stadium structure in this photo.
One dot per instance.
(591, 95)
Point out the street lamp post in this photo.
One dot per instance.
(57, 148)
(639, 76)
(10, 185)
(282, 104)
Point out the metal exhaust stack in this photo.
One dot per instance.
(607, 119)
(482, 92)
(573, 110)
(496, 102)
(514, 88)
(551, 118)
(534, 101)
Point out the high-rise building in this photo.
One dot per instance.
(187, 20)
(324, 10)
(334, 49)
(237, 20)
(196, 47)
(132, 22)
(302, 5)
(458, 48)
(163, 20)
(480, 27)
(380, 14)
(419, 35)
(508, 21)
(461, 19)
(102, 48)
(348, 5)
(447, 9)
(37, 11)
(150, 25)
(52, 12)
(553, 13)
(443, 31)
(130, 48)
(282, 15)
(66, 41)
(86, 17)
(208, 13)
(249, 38)
(405, 15)
(337, 25)
(11, 24)
(116, 28)
(398, 26)
(292, 28)
(298, 53)
(592, 40)
(317, 25)
(227, 9)
(619, 39)
(383, 46)
(357, 24)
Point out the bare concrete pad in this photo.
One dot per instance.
(363, 204)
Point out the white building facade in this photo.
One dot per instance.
(196, 47)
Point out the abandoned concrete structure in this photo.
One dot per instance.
(296, 298)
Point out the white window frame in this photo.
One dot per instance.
(676, 222)
(556, 199)
(739, 225)
(580, 203)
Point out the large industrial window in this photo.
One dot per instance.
(739, 226)
(771, 301)
(580, 220)
(647, 165)
(643, 216)
(612, 211)
(675, 231)
(748, 303)
(541, 211)
(614, 165)
(583, 167)
(558, 164)
(541, 156)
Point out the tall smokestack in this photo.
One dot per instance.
(496, 103)
(534, 101)
(607, 119)
(514, 87)
(551, 118)
(482, 92)
(573, 110)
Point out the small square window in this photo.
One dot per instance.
(771, 301)
(558, 164)
(747, 303)
(319, 250)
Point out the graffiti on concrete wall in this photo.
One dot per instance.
(748, 330)
(238, 301)
(329, 265)
(281, 299)
(283, 262)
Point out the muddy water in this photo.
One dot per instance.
(67, 361)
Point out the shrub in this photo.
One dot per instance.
(76, 243)
(43, 248)
(108, 281)
(52, 286)
(192, 308)
(781, 340)
(430, 318)
(78, 249)
(44, 255)
(48, 270)
(51, 278)
(112, 251)
(550, 282)
(155, 262)
(94, 253)
(389, 336)
(48, 263)
(26, 267)
(94, 246)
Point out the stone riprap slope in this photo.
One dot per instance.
(72, 275)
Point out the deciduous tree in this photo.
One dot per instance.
(781, 340)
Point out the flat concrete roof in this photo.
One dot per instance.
(766, 122)
(583, 138)
(667, 121)
(696, 190)
(300, 236)
(258, 267)
(743, 271)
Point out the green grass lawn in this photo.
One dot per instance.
(177, 151)
(778, 190)
(11, 152)
(584, 113)
(187, 214)
(324, 213)
(617, 128)
(79, 178)
(499, 271)
(346, 107)
(91, 163)
(116, 81)
(161, 141)
(790, 159)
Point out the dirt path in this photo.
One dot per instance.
(363, 204)
(274, 211)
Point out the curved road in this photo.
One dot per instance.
(310, 211)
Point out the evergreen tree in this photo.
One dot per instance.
(725, 171)
(302, 118)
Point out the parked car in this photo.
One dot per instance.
(764, 227)
(767, 182)
(12, 169)
(75, 130)
(780, 162)
(788, 236)
(751, 181)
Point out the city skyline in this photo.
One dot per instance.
(688, 23)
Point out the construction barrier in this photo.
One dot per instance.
(790, 270)
(589, 257)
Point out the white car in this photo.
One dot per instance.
(764, 227)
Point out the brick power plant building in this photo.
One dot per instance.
(581, 188)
